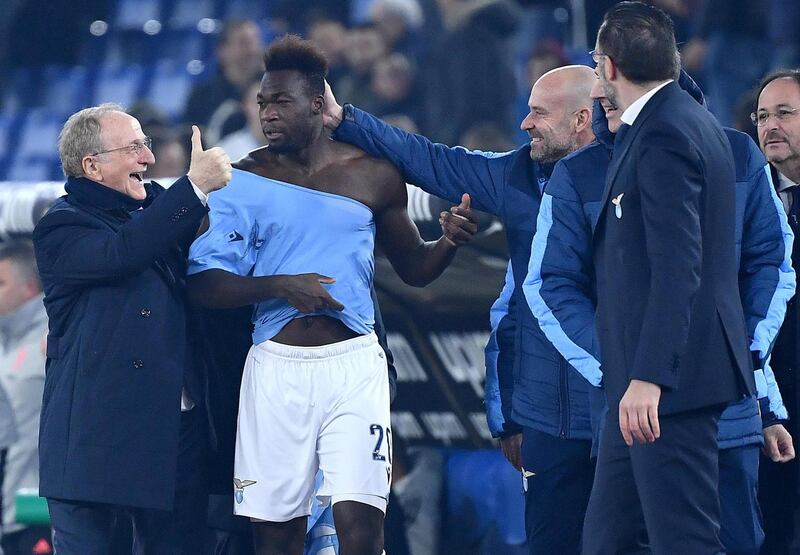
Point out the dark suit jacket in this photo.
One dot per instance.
(669, 310)
(118, 351)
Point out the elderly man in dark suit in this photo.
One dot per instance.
(670, 321)
(124, 432)
(777, 118)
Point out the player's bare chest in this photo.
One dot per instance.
(350, 184)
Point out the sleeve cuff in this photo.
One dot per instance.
(200, 194)
(768, 418)
(510, 428)
(761, 384)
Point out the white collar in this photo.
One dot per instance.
(785, 183)
(632, 112)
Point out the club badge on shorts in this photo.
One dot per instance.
(617, 202)
(238, 493)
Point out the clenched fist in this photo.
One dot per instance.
(209, 169)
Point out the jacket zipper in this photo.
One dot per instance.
(563, 400)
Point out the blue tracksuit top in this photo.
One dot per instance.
(548, 394)
(559, 286)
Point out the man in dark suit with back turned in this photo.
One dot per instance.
(124, 431)
(670, 321)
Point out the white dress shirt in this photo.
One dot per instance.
(632, 112)
(784, 186)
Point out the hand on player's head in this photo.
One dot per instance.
(210, 169)
(333, 112)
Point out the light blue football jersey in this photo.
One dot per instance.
(264, 227)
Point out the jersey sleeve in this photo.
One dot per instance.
(232, 239)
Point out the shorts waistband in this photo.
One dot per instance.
(321, 352)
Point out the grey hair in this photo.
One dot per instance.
(80, 137)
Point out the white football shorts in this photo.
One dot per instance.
(304, 408)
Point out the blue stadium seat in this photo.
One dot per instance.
(34, 169)
(133, 14)
(38, 136)
(9, 128)
(169, 87)
(121, 84)
(22, 90)
(121, 48)
(186, 13)
(246, 9)
(67, 89)
(185, 45)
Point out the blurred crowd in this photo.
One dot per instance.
(457, 71)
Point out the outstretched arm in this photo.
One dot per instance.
(440, 170)
(418, 262)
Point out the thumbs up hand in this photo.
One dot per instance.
(460, 224)
(209, 169)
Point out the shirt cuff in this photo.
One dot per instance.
(200, 194)
(761, 384)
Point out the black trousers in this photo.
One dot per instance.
(555, 503)
(662, 497)
(82, 528)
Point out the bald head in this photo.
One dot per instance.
(572, 83)
(560, 118)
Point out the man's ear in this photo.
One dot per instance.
(318, 104)
(91, 169)
(32, 288)
(584, 119)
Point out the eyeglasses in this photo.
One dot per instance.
(761, 118)
(597, 55)
(134, 148)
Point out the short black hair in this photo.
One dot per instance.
(294, 53)
(793, 74)
(640, 39)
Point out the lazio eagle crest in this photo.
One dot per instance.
(617, 202)
(238, 493)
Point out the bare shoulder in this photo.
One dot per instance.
(253, 161)
(379, 172)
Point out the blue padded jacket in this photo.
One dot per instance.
(559, 286)
(548, 394)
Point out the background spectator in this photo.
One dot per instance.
(215, 104)
(393, 88)
(172, 158)
(331, 37)
(251, 136)
(365, 46)
(469, 74)
(23, 327)
(730, 50)
(398, 22)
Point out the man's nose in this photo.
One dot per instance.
(597, 90)
(146, 156)
(526, 123)
(772, 122)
